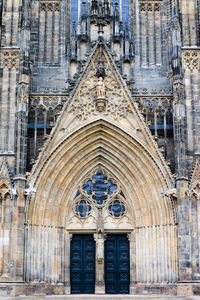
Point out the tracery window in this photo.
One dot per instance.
(99, 190)
(82, 208)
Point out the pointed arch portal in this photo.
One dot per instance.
(149, 220)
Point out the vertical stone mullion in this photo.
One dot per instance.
(151, 254)
(148, 250)
(67, 262)
(61, 32)
(146, 25)
(8, 111)
(53, 34)
(198, 234)
(151, 36)
(49, 33)
(133, 275)
(15, 22)
(143, 38)
(45, 33)
(11, 119)
(35, 136)
(158, 35)
(192, 23)
(4, 108)
(56, 36)
(42, 13)
(136, 254)
(26, 254)
(156, 278)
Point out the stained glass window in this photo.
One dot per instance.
(117, 208)
(97, 190)
(99, 187)
(82, 208)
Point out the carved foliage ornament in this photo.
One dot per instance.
(99, 190)
(84, 106)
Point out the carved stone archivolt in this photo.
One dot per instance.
(191, 59)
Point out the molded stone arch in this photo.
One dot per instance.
(142, 175)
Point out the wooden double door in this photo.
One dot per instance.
(117, 264)
(116, 261)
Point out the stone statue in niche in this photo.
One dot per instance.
(101, 95)
(100, 89)
(100, 249)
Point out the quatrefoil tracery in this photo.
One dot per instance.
(99, 190)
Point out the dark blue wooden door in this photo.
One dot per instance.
(117, 264)
(82, 264)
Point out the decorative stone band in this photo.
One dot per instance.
(153, 103)
(149, 6)
(47, 101)
(46, 5)
(191, 59)
(10, 58)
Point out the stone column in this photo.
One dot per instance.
(17, 232)
(131, 238)
(67, 242)
(184, 240)
(100, 278)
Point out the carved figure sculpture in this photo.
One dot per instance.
(100, 88)
(100, 249)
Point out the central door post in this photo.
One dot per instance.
(100, 281)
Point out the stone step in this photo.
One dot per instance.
(100, 297)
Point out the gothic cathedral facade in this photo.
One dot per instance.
(100, 147)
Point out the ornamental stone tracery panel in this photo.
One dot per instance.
(99, 195)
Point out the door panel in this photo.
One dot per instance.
(117, 264)
(82, 265)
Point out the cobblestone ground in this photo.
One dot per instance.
(105, 297)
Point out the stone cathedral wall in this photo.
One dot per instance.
(53, 134)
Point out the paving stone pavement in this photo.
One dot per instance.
(104, 297)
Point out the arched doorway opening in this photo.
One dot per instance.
(53, 211)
